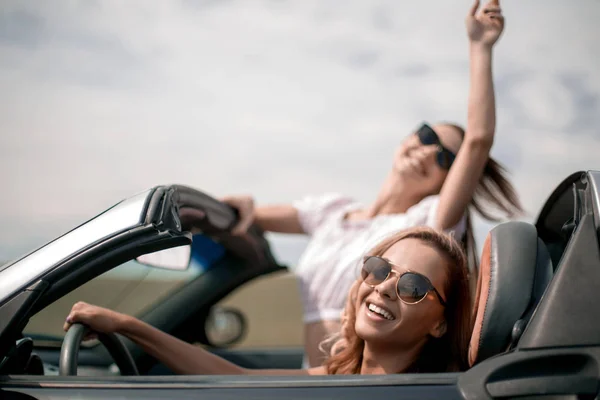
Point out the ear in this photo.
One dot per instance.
(439, 329)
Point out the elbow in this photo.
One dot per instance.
(479, 142)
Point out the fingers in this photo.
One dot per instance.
(90, 336)
(494, 13)
(74, 315)
(246, 218)
(242, 227)
(492, 10)
(245, 207)
(474, 8)
(70, 320)
(496, 18)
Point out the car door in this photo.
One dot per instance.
(406, 387)
(272, 310)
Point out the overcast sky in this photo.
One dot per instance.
(102, 99)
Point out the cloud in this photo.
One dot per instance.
(279, 99)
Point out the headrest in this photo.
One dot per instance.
(515, 271)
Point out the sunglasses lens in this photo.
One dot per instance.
(442, 160)
(412, 287)
(427, 135)
(375, 270)
(449, 159)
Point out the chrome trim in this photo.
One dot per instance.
(232, 382)
(594, 182)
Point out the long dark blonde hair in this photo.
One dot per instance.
(445, 354)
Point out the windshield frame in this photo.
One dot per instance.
(127, 214)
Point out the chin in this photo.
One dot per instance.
(373, 336)
(367, 332)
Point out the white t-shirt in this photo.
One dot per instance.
(331, 261)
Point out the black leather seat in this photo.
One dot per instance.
(514, 273)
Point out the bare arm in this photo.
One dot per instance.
(184, 358)
(484, 30)
(275, 218)
(179, 356)
(278, 218)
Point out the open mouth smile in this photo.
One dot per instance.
(380, 311)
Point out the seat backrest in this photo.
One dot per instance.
(514, 273)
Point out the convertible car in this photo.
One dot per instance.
(167, 256)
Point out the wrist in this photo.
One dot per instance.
(480, 48)
(122, 322)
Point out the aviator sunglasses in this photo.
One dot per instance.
(427, 136)
(411, 287)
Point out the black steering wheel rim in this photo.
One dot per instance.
(69, 352)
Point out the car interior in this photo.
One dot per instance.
(533, 297)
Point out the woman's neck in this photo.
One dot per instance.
(380, 361)
(395, 197)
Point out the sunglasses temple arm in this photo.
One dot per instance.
(439, 297)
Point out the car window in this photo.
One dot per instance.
(131, 288)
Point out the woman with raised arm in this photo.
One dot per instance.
(408, 312)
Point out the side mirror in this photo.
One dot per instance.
(204, 252)
(225, 326)
(175, 258)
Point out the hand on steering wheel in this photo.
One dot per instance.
(84, 321)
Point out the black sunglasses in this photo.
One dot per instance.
(427, 136)
(411, 287)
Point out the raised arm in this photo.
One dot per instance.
(484, 27)
(179, 356)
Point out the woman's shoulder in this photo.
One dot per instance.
(317, 371)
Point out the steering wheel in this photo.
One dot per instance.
(69, 351)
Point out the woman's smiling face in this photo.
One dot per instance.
(416, 163)
(382, 318)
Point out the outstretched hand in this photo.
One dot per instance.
(485, 26)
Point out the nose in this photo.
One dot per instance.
(427, 151)
(387, 288)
